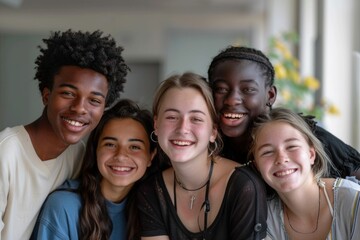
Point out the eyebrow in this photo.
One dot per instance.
(130, 140)
(287, 140)
(75, 88)
(222, 80)
(191, 111)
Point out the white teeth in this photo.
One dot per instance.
(284, 173)
(74, 123)
(123, 169)
(233, 115)
(182, 143)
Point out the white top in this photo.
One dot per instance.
(25, 180)
(346, 214)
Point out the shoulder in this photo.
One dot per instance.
(64, 196)
(152, 182)
(12, 135)
(9, 131)
(247, 179)
(346, 184)
(75, 149)
(330, 141)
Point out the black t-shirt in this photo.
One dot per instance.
(242, 214)
(345, 158)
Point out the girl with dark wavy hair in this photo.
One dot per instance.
(101, 204)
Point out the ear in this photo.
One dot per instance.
(152, 157)
(312, 155)
(214, 134)
(272, 93)
(45, 95)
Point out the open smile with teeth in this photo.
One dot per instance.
(181, 143)
(73, 122)
(233, 115)
(121, 169)
(284, 173)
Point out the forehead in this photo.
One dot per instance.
(124, 128)
(245, 68)
(81, 77)
(278, 130)
(183, 99)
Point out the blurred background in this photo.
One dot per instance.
(162, 37)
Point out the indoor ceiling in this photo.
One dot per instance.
(186, 5)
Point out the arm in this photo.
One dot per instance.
(59, 217)
(345, 158)
(249, 207)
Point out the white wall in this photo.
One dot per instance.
(337, 64)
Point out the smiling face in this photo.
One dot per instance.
(240, 95)
(283, 156)
(75, 103)
(183, 125)
(123, 155)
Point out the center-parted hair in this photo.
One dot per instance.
(233, 53)
(94, 221)
(86, 50)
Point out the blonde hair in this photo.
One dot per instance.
(322, 162)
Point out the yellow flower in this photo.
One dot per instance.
(332, 109)
(287, 54)
(286, 95)
(294, 76)
(280, 71)
(311, 83)
(280, 46)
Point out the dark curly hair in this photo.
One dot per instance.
(85, 50)
(244, 53)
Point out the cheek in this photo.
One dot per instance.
(101, 158)
(97, 114)
(142, 163)
(263, 167)
(218, 101)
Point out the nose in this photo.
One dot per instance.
(121, 154)
(281, 158)
(233, 98)
(183, 126)
(78, 105)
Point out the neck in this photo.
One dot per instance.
(114, 194)
(192, 177)
(302, 202)
(46, 144)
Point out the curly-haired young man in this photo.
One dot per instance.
(79, 75)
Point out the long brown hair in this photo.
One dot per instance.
(95, 223)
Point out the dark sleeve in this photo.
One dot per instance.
(249, 210)
(345, 158)
(151, 219)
